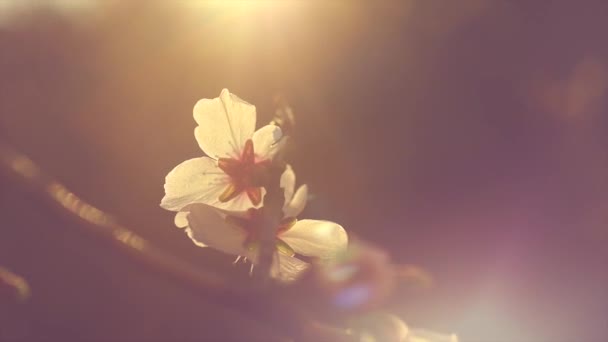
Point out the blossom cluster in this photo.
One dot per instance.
(218, 198)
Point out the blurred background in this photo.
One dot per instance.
(466, 137)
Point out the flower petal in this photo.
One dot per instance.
(196, 180)
(207, 226)
(200, 180)
(288, 183)
(322, 239)
(297, 203)
(224, 124)
(286, 268)
(267, 142)
(181, 219)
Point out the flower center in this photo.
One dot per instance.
(252, 224)
(246, 175)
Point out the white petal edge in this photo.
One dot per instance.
(288, 184)
(208, 227)
(181, 219)
(297, 203)
(322, 239)
(267, 142)
(224, 124)
(197, 180)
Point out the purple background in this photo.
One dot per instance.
(468, 138)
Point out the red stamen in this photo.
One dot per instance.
(255, 195)
(245, 175)
(248, 156)
(232, 167)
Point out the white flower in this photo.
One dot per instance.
(209, 227)
(231, 177)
